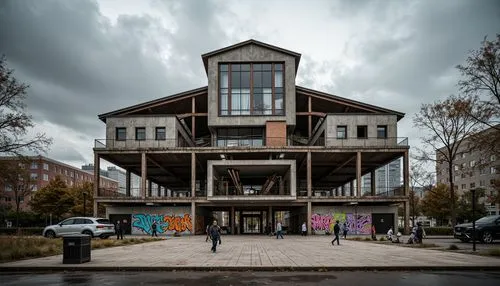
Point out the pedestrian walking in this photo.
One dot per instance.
(374, 232)
(390, 234)
(336, 232)
(304, 229)
(153, 228)
(345, 229)
(119, 230)
(214, 231)
(420, 232)
(279, 230)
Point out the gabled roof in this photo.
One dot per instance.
(251, 42)
(354, 103)
(153, 103)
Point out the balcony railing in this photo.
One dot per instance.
(135, 193)
(365, 191)
(232, 191)
(249, 141)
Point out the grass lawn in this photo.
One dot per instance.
(14, 248)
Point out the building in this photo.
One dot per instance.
(473, 168)
(252, 148)
(42, 171)
(113, 173)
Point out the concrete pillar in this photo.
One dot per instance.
(232, 220)
(169, 193)
(309, 175)
(407, 217)
(193, 175)
(351, 188)
(97, 180)
(358, 174)
(342, 190)
(144, 174)
(128, 180)
(309, 217)
(372, 183)
(270, 217)
(150, 188)
(406, 173)
(193, 218)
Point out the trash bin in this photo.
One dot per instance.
(76, 249)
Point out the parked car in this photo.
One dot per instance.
(487, 229)
(95, 227)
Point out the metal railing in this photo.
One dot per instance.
(252, 141)
(135, 193)
(232, 191)
(326, 191)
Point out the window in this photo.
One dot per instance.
(251, 89)
(382, 131)
(71, 174)
(482, 183)
(483, 171)
(140, 133)
(464, 154)
(341, 132)
(493, 158)
(362, 131)
(34, 176)
(66, 172)
(34, 165)
(464, 165)
(472, 163)
(240, 137)
(160, 133)
(45, 166)
(472, 185)
(121, 133)
(464, 186)
(463, 175)
(34, 188)
(493, 170)
(68, 221)
(21, 199)
(456, 168)
(45, 177)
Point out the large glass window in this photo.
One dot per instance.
(228, 137)
(251, 89)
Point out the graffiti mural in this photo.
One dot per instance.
(165, 223)
(360, 224)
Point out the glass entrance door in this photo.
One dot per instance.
(251, 224)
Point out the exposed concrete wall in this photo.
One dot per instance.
(250, 53)
(150, 123)
(352, 121)
(291, 183)
(169, 219)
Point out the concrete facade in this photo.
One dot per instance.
(250, 53)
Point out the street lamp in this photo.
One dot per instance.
(473, 219)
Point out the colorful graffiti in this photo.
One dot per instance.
(165, 223)
(360, 224)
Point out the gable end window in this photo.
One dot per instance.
(382, 131)
(341, 132)
(160, 133)
(140, 133)
(251, 89)
(362, 131)
(121, 133)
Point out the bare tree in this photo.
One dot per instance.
(14, 122)
(419, 178)
(446, 124)
(16, 177)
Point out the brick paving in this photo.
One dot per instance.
(263, 251)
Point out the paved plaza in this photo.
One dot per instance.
(261, 252)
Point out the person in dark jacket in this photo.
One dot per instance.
(153, 228)
(336, 232)
(119, 230)
(214, 232)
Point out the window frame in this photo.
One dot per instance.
(136, 132)
(366, 131)
(164, 133)
(339, 127)
(252, 95)
(117, 137)
(384, 127)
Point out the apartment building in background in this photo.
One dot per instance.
(42, 171)
(250, 149)
(473, 169)
(113, 173)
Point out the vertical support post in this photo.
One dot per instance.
(473, 219)
(309, 217)
(97, 179)
(358, 174)
(232, 220)
(150, 188)
(144, 174)
(372, 183)
(159, 190)
(309, 175)
(407, 217)
(270, 217)
(193, 175)
(351, 188)
(128, 180)
(309, 118)
(342, 190)
(193, 118)
(193, 218)
(406, 173)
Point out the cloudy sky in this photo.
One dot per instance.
(82, 57)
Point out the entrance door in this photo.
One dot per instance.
(251, 224)
(383, 222)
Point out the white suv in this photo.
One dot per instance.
(95, 227)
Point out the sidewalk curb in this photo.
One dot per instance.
(66, 268)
